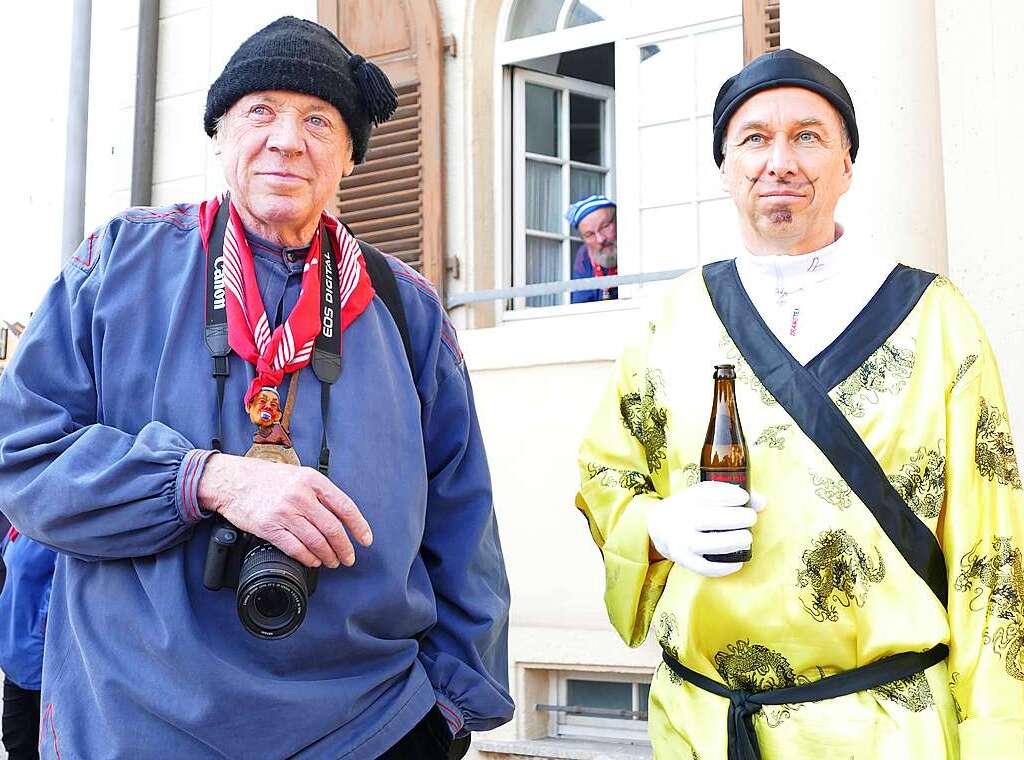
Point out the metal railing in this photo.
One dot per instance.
(594, 712)
(563, 286)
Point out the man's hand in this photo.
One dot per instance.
(679, 526)
(296, 509)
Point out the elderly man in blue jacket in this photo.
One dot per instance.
(165, 345)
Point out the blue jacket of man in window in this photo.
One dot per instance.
(594, 217)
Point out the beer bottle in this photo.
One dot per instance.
(724, 456)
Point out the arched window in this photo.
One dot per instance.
(615, 97)
(530, 17)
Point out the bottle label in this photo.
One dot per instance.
(737, 477)
(722, 475)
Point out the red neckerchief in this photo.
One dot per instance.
(290, 347)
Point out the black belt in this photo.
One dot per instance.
(743, 704)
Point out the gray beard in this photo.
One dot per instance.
(607, 258)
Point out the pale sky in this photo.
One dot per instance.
(34, 56)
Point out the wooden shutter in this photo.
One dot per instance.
(760, 28)
(393, 200)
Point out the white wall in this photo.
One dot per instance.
(885, 54)
(196, 39)
(935, 84)
(981, 76)
(34, 45)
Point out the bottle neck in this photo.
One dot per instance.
(725, 394)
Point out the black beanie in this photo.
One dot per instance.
(296, 55)
(782, 68)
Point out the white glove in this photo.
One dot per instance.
(679, 525)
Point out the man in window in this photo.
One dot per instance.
(597, 256)
(880, 614)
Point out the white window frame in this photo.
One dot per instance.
(634, 23)
(627, 148)
(566, 86)
(579, 726)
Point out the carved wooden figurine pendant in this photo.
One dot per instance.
(271, 440)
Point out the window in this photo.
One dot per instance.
(599, 705)
(531, 17)
(561, 150)
(616, 97)
(683, 216)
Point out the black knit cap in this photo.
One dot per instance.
(782, 68)
(301, 56)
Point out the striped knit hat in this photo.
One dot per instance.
(581, 209)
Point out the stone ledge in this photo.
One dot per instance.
(562, 749)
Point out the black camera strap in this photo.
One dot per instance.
(216, 333)
(326, 360)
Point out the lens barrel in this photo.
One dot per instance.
(273, 592)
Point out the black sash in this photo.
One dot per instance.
(326, 360)
(803, 393)
(744, 704)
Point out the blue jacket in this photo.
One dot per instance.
(109, 407)
(582, 268)
(23, 604)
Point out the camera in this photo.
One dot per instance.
(273, 589)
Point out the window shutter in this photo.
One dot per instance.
(393, 200)
(760, 28)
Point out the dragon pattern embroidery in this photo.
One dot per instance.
(832, 490)
(962, 370)
(886, 371)
(773, 436)
(630, 480)
(743, 371)
(913, 693)
(691, 475)
(665, 630)
(1000, 576)
(836, 571)
(755, 668)
(921, 483)
(954, 685)
(994, 453)
(646, 419)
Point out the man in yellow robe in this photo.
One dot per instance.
(882, 612)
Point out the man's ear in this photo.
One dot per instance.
(348, 163)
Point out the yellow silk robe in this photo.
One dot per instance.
(826, 589)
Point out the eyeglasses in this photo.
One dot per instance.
(603, 229)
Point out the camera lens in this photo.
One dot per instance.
(271, 602)
(272, 592)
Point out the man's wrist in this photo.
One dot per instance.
(207, 491)
(186, 485)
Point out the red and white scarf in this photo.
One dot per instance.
(290, 347)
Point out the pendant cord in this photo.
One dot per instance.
(289, 404)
